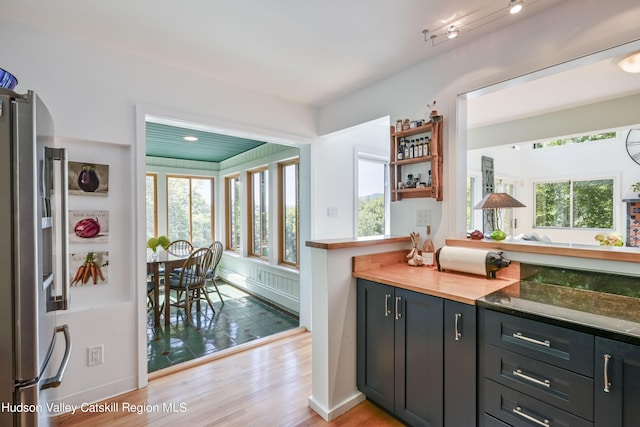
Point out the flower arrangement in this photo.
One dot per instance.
(154, 242)
(611, 239)
(636, 187)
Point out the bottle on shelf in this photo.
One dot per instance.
(429, 182)
(428, 250)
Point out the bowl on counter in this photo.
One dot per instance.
(7, 80)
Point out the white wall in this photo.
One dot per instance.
(333, 178)
(99, 97)
(567, 31)
(598, 159)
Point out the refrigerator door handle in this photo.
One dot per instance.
(61, 302)
(56, 380)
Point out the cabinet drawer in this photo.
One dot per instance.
(487, 420)
(520, 410)
(561, 388)
(552, 344)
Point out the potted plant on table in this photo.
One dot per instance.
(154, 242)
(636, 187)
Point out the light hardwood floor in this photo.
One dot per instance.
(268, 385)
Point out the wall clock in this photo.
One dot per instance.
(633, 145)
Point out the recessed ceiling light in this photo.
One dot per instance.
(190, 138)
(630, 62)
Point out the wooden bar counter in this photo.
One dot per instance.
(391, 268)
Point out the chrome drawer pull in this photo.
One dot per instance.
(398, 314)
(607, 384)
(457, 326)
(518, 373)
(518, 411)
(387, 312)
(519, 336)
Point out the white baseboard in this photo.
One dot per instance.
(333, 413)
(290, 303)
(97, 394)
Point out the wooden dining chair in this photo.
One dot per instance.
(191, 283)
(180, 247)
(217, 248)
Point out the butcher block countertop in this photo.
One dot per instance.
(391, 268)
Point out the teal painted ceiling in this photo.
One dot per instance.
(167, 142)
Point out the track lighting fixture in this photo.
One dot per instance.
(515, 6)
(468, 23)
(452, 32)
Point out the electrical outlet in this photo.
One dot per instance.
(95, 355)
(423, 217)
(332, 211)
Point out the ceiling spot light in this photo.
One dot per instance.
(190, 138)
(629, 62)
(452, 32)
(515, 6)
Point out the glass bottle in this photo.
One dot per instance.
(428, 250)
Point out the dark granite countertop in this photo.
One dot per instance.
(614, 313)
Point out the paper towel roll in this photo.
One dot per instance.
(466, 260)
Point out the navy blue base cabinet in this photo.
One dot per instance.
(403, 342)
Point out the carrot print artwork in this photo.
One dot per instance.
(90, 268)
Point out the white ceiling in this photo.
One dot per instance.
(575, 86)
(309, 52)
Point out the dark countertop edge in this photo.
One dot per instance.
(355, 242)
(594, 330)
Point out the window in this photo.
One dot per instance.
(152, 205)
(259, 213)
(372, 209)
(288, 199)
(574, 204)
(190, 209)
(232, 185)
(576, 140)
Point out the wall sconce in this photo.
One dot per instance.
(452, 31)
(497, 202)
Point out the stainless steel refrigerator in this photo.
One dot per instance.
(33, 260)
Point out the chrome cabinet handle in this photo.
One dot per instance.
(387, 312)
(398, 314)
(545, 383)
(458, 335)
(607, 384)
(545, 343)
(518, 411)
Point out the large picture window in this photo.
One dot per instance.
(259, 213)
(288, 197)
(190, 209)
(233, 212)
(574, 204)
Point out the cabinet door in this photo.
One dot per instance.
(375, 342)
(617, 380)
(459, 364)
(418, 358)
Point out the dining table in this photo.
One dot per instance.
(170, 262)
